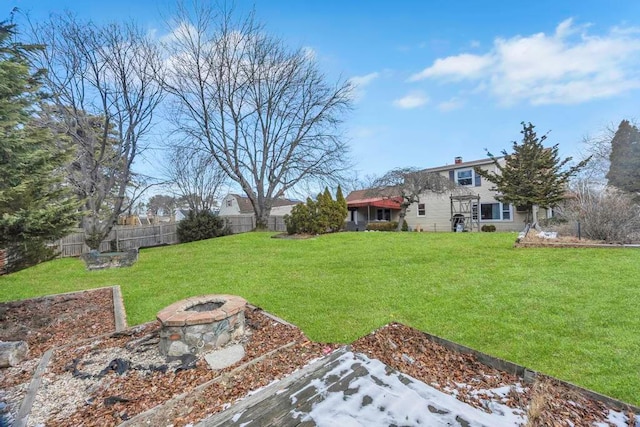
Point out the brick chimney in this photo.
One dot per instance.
(457, 160)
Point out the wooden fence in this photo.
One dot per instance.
(244, 223)
(121, 238)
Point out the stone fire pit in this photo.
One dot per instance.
(200, 324)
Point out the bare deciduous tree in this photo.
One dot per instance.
(196, 177)
(410, 183)
(598, 147)
(104, 87)
(604, 213)
(265, 113)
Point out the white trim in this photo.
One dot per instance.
(457, 177)
(501, 210)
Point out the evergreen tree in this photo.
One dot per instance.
(624, 170)
(532, 174)
(340, 211)
(34, 207)
(325, 206)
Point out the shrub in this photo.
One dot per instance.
(488, 228)
(201, 225)
(405, 226)
(382, 226)
(604, 214)
(324, 215)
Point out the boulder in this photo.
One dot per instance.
(12, 353)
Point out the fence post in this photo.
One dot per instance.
(161, 239)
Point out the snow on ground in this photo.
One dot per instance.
(379, 396)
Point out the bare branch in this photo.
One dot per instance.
(266, 113)
(103, 81)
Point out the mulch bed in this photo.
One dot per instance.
(546, 402)
(44, 323)
(110, 379)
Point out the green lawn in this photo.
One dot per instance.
(571, 313)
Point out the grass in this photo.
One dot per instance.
(571, 313)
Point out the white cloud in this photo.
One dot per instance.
(360, 82)
(411, 100)
(567, 67)
(450, 105)
(455, 67)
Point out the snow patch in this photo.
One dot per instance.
(377, 396)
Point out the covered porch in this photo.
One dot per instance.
(367, 210)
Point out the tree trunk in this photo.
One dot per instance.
(403, 214)
(262, 219)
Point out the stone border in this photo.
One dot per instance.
(177, 315)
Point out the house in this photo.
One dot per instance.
(236, 205)
(181, 214)
(468, 209)
(366, 206)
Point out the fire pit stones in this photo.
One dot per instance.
(200, 324)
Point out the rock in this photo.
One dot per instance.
(177, 348)
(12, 353)
(222, 339)
(220, 359)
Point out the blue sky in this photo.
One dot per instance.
(436, 80)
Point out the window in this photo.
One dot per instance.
(495, 211)
(474, 211)
(422, 211)
(464, 177)
(383, 214)
(506, 211)
(229, 203)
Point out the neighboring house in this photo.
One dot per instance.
(365, 206)
(469, 210)
(236, 205)
(181, 214)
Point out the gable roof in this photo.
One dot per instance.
(244, 204)
(485, 161)
(362, 198)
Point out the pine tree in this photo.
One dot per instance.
(532, 174)
(34, 207)
(624, 170)
(341, 210)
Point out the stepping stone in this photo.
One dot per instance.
(220, 359)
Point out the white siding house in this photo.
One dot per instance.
(468, 209)
(237, 205)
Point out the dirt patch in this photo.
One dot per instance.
(57, 320)
(293, 236)
(532, 240)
